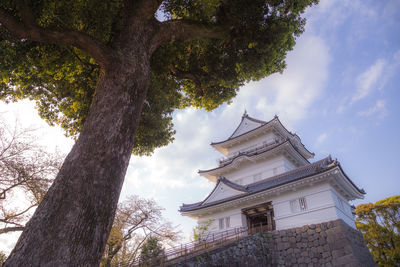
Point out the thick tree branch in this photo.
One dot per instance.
(184, 30)
(146, 8)
(180, 74)
(28, 29)
(184, 75)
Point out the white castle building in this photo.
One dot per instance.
(266, 180)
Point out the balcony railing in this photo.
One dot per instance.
(248, 152)
(188, 250)
(212, 241)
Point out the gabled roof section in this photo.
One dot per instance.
(229, 189)
(255, 128)
(316, 168)
(246, 124)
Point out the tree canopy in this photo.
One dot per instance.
(111, 73)
(380, 225)
(249, 40)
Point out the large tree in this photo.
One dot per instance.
(112, 72)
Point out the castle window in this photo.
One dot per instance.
(228, 222)
(303, 204)
(221, 224)
(298, 205)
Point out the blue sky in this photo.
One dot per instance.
(340, 94)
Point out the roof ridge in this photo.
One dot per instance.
(245, 115)
(254, 119)
(320, 166)
(327, 159)
(233, 184)
(273, 146)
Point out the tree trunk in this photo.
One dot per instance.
(71, 225)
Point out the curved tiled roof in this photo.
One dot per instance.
(230, 184)
(317, 167)
(255, 153)
(233, 185)
(263, 124)
(243, 117)
(246, 116)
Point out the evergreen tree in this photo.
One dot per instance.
(151, 252)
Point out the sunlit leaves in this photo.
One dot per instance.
(380, 225)
(203, 72)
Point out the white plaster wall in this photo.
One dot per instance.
(236, 220)
(322, 206)
(254, 142)
(245, 126)
(288, 165)
(343, 208)
(222, 191)
(265, 169)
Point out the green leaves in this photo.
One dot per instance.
(380, 225)
(202, 72)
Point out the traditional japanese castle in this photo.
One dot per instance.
(266, 180)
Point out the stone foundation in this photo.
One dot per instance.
(327, 244)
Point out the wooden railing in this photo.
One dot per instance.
(189, 250)
(248, 152)
(211, 241)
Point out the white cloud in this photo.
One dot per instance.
(25, 114)
(337, 12)
(321, 138)
(367, 80)
(291, 93)
(378, 108)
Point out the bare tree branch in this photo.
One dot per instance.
(11, 229)
(28, 29)
(26, 170)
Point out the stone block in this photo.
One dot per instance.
(310, 231)
(304, 254)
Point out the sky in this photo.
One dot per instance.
(339, 93)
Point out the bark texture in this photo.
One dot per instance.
(71, 225)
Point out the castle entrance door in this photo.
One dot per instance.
(260, 218)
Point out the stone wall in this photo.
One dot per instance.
(327, 244)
